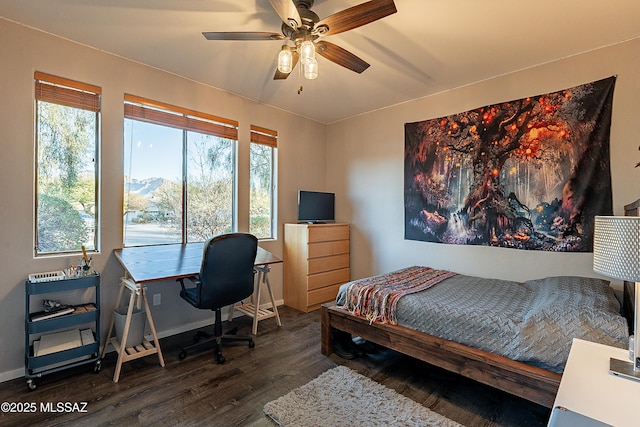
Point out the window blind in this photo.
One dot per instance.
(156, 112)
(59, 90)
(260, 135)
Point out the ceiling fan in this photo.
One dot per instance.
(303, 30)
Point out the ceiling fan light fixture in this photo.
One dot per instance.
(285, 60)
(307, 52)
(311, 69)
(301, 28)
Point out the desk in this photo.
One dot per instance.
(589, 389)
(146, 264)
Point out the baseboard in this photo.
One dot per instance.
(17, 373)
(12, 375)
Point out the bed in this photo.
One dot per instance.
(493, 331)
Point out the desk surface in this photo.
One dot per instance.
(588, 388)
(165, 262)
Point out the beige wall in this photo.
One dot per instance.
(301, 164)
(362, 162)
(365, 158)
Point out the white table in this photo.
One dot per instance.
(589, 389)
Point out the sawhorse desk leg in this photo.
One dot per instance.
(145, 348)
(253, 309)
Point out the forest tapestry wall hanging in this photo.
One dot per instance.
(527, 174)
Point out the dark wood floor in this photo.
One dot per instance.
(197, 391)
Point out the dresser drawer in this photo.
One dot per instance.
(318, 296)
(317, 262)
(328, 233)
(328, 278)
(323, 249)
(336, 262)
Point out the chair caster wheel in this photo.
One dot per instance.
(97, 367)
(220, 359)
(252, 344)
(182, 355)
(31, 384)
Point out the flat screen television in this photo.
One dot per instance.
(316, 207)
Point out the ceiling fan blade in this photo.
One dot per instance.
(242, 35)
(355, 17)
(281, 76)
(341, 56)
(287, 11)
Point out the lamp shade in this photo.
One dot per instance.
(616, 247)
(285, 60)
(307, 52)
(311, 70)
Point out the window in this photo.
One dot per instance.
(67, 133)
(179, 174)
(262, 219)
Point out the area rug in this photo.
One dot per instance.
(342, 397)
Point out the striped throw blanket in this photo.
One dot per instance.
(375, 298)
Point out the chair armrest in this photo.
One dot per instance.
(194, 279)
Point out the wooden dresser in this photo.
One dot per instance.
(629, 294)
(316, 263)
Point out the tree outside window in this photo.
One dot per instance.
(67, 138)
(179, 174)
(262, 180)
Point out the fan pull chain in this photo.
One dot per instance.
(300, 79)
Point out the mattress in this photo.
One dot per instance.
(532, 322)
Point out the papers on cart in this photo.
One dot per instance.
(59, 341)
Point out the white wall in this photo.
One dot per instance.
(365, 169)
(301, 164)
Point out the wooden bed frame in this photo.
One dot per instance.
(529, 382)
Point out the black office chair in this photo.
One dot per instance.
(226, 277)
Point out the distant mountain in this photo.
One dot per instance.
(143, 187)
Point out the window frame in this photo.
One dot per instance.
(267, 137)
(187, 120)
(84, 96)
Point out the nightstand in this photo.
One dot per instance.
(587, 387)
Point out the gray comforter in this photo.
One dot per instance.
(532, 322)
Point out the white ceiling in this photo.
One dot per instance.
(428, 46)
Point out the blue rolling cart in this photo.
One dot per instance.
(86, 315)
